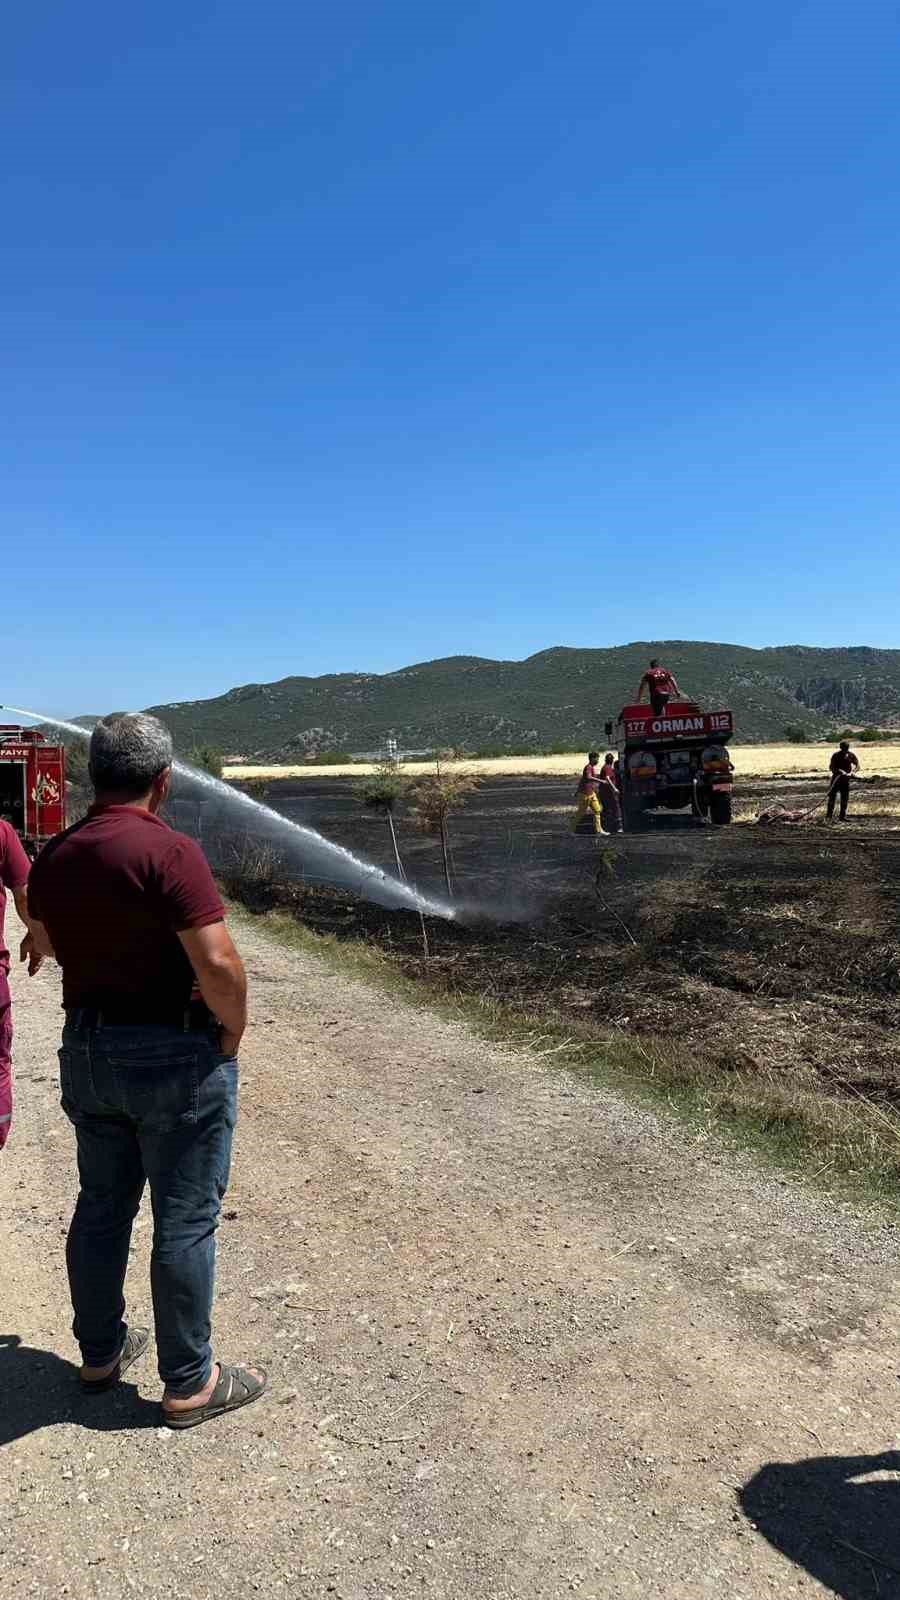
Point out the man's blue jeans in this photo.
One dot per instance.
(156, 1105)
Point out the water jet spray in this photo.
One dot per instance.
(329, 863)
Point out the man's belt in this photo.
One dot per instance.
(193, 1018)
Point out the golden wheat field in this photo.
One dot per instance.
(751, 761)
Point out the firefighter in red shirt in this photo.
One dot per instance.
(608, 794)
(13, 876)
(660, 683)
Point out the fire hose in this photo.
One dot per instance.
(695, 804)
(832, 790)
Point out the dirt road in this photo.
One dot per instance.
(524, 1341)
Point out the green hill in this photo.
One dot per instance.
(557, 698)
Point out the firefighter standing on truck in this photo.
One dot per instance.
(842, 764)
(587, 804)
(661, 685)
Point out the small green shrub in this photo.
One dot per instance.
(436, 796)
(383, 789)
(207, 758)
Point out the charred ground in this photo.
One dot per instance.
(742, 956)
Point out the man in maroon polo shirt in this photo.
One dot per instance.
(14, 866)
(660, 683)
(155, 1001)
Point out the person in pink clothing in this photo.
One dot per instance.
(14, 865)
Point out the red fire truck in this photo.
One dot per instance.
(32, 785)
(674, 760)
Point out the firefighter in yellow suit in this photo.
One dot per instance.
(587, 804)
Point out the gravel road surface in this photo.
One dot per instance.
(524, 1340)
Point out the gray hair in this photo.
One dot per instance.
(128, 750)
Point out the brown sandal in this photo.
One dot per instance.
(136, 1342)
(236, 1387)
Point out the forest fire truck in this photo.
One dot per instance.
(676, 759)
(32, 785)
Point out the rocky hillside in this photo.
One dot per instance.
(557, 698)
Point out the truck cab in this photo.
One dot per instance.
(32, 785)
(675, 760)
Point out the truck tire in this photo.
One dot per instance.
(720, 809)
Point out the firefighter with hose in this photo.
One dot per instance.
(843, 764)
(587, 804)
(608, 794)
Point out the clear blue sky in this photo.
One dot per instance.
(344, 336)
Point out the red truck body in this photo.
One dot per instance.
(32, 785)
(675, 759)
(680, 721)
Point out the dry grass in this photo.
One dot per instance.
(876, 805)
(843, 1141)
(549, 766)
(765, 760)
(751, 761)
(862, 804)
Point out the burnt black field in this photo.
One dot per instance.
(770, 946)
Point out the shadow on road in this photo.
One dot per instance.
(838, 1517)
(38, 1389)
